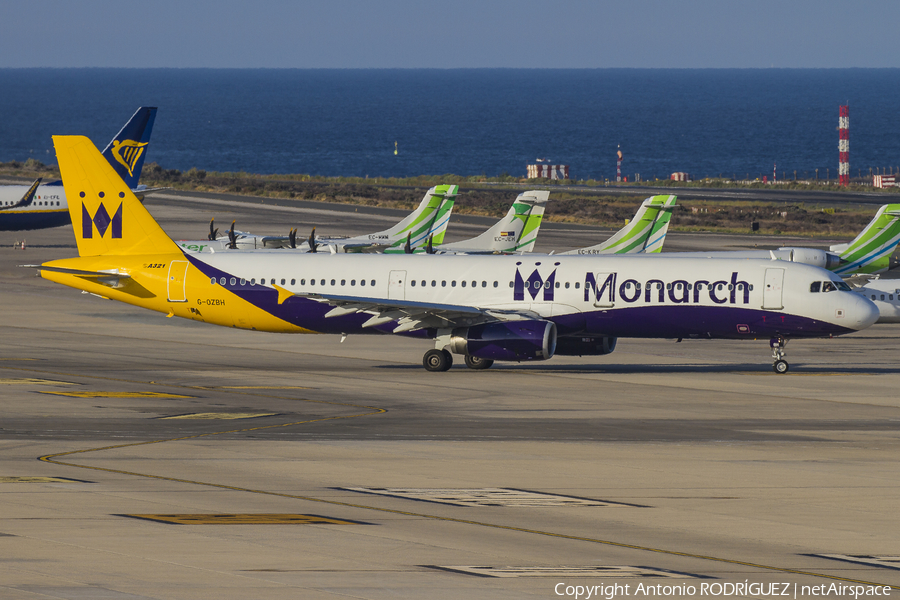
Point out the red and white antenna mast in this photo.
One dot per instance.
(619, 164)
(844, 146)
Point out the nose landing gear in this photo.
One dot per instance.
(780, 365)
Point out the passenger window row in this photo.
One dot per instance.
(424, 283)
(658, 285)
(262, 281)
(484, 284)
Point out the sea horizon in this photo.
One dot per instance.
(741, 122)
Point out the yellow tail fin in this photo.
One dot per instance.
(106, 215)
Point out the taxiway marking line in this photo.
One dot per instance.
(258, 387)
(187, 387)
(32, 381)
(38, 479)
(116, 394)
(242, 519)
(223, 416)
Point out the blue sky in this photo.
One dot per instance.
(456, 34)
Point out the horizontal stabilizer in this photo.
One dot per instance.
(110, 277)
(112, 274)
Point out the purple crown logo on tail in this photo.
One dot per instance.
(102, 221)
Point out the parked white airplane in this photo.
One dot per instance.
(517, 231)
(428, 221)
(885, 293)
(644, 234)
(493, 307)
(869, 252)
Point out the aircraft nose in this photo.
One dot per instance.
(864, 313)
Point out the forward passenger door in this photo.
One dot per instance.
(772, 292)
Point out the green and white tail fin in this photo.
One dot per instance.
(870, 252)
(430, 218)
(532, 226)
(660, 227)
(646, 232)
(442, 215)
(515, 232)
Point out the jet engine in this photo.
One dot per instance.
(811, 256)
(585, 345)
(507, 340)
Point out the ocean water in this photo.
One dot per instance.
(467, 121)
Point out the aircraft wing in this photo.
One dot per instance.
(27, 198)
(411, 315)
(275, 241)
(860, 280)
(355, 247)
(370, 249)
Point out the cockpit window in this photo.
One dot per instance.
(842, 286)
(815, 286)
(828, 286)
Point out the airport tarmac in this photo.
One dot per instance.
(146, 457)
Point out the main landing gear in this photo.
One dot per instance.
(442, 360)
(780, 365)
(437, 360)
(473, 362)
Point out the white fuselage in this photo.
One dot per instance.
(48, 209)
(611, 295)
(885, 294)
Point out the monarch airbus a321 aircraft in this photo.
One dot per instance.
(487, 308)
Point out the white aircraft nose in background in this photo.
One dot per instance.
(863, 313)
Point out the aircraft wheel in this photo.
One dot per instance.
(437, 360)
(780, 367)
(473, 362)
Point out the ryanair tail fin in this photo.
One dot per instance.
(126, 151)
(870, 252)
(646, 232)
(517, 231)
(106, 216)
(428, 219)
